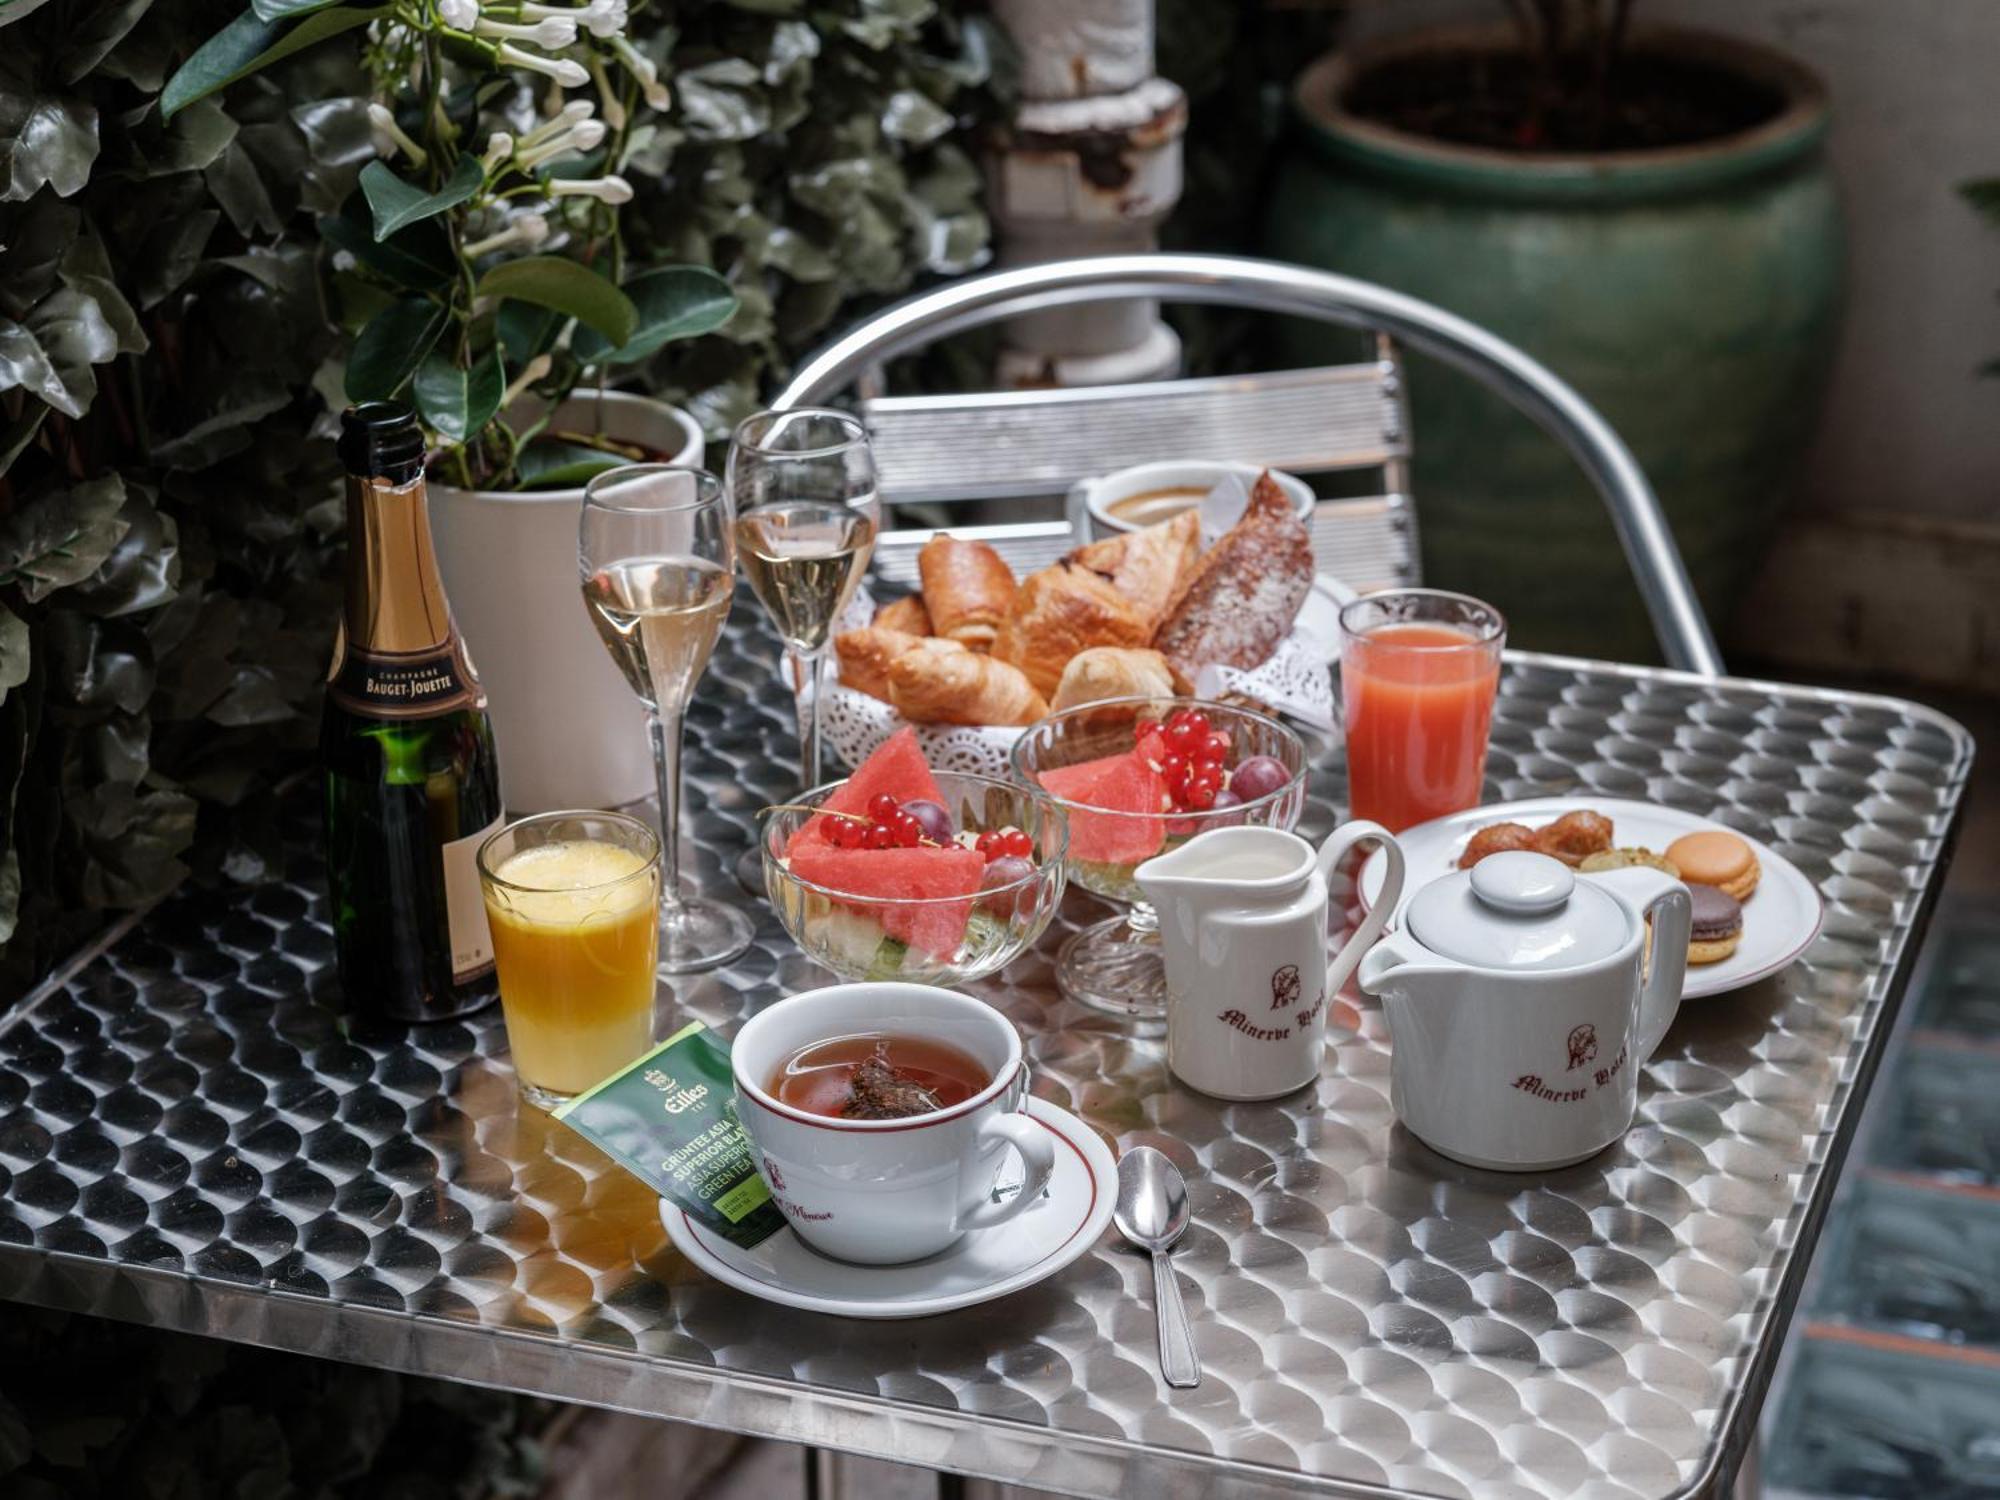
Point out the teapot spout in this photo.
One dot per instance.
(1404, 977)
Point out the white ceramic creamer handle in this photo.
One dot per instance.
(1673, 923)
(1038, 1158)
(1076, 510)
(1331, 853)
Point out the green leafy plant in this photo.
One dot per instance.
(179, 294)
(483, 255)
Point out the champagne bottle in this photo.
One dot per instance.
(412, 786)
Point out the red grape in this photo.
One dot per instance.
(1224, 799)
(936, 822)
(1259, 776)
(882, 807)
(1004, 872)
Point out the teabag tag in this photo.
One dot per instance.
(669, 1118)
(1222, 507)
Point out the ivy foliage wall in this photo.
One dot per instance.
(170, 364)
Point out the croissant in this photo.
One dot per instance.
(956, 686)
(1060, 611)
(1150, 566)
(968, 590)
(865, 655)
(1245, 592)
(906, 614)
(1113, 672)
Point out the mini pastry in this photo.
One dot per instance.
(968, 590)
(1718, 924)
(1628, 859)
(865, 655)
(1246, 591)
(906, 614)
(940, 682)
(1060, 611)
(1113, 672)
(1496, 838)
(1150, 566)
(1718, 858)
(1574, 836)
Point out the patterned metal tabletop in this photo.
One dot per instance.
(192, 1136)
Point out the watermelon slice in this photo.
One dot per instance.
(946, 878)
(1121, 783)
(897, 767)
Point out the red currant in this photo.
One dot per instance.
(1214, 750)
(881, 836)
(1208, 776)
(1178, 776)
(1181, 738)
(1197, 723)
(1200, 796)
(836, 832)
(883, 808)
(909, 832)
(988, 844)
(1172, 764)
(1016, 843)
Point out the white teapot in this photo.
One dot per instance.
(1521, 1006)
(1243, 919)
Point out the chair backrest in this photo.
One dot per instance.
(1296, 291)
(1037, 443)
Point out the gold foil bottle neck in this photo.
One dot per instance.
(395, 598)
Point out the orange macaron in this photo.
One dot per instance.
(1716, 858)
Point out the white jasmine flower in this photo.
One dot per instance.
(641, 67)
(604, 18)
(527, 231)
(386, 129)
(460, 15)
(554, 33)
(559, 69)
(499, 146)
(603, 189)
(572, 114)
(614, 108)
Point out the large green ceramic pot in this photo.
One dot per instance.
(1691, 294)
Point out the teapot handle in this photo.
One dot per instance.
(1673, 924)
(1331, 853)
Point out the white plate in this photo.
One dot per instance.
(1075, 1209)
(1780, 919)
(1319, 616)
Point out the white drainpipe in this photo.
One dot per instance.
(1090, 165)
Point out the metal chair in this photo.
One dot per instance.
(954, 448)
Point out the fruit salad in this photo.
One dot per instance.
(1179, 769)
(900, 872)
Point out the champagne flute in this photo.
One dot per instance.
(658, 560)
(803, 487)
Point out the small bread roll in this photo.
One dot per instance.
(1113, 672)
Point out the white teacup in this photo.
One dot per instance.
(1094, 508)
(881, 1192)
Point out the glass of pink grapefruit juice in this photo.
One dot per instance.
(1419, 669)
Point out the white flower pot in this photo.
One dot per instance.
(570, 731)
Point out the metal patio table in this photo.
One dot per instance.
(192, 1137)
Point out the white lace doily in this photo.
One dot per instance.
(1295, 681)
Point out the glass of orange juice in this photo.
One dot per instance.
(572, 900)
(1418, 672)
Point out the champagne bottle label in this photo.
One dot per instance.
(403, 684)
(465, 907)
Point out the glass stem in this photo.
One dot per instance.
(1142, 922)
(811, 696)
(666, 730)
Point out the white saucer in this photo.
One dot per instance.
(1780, 920)
(1075, 1209)
(1319, 616)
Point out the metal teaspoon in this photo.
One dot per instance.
(1152, 1213)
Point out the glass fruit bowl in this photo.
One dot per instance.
(1102, 764)
(942, 912)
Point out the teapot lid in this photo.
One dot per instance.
(1518, 910)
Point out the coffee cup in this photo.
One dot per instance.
(885, 1191)
(1145, 494)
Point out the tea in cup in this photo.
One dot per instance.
(883, 1116)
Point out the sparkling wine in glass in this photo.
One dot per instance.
(803, 487)
(658, 559)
